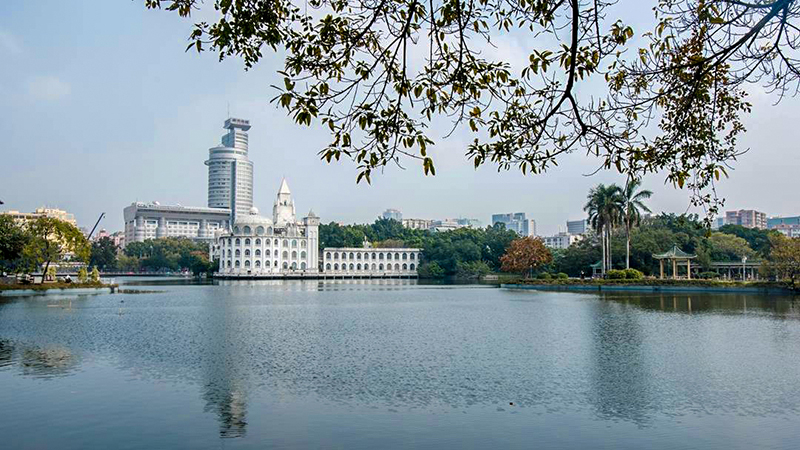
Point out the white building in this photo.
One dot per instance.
(393, 214)
(561, 240)
(371, 262)
(258, 246)
(517, 222)
(154, 221)
(417, 224)
(230, 172)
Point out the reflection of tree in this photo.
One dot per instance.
(619, 373)
(47, 362)
(229, 403)
(6, 352)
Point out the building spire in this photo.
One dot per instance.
(284, 188)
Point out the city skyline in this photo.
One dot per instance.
(139, 149)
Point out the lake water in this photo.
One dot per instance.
(394, 364)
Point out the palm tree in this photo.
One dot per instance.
(632, 208)
(604, 206)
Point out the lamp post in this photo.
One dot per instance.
(744, 268)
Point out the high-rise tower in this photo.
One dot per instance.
(230, 172)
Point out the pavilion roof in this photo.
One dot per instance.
(674, 253)
(596, 265)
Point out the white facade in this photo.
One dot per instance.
(371, 262)
(153, 221)
(262, 246)
(230, 172)
(561, 240)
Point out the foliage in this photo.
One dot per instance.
(758, 240)
(104, 254)
(562, 276)
(95, 275)
(356, 67)
(13, 239)
(727, 247)
(633, 274)
(708, 275)
(615, 274)
(166, 254)
(83, 275)
(632, 208)
(472, 270)
(784, 258)
(525, 255)
(52, 240)
(430, 270)
(544, 276)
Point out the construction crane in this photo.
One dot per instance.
(95, 225)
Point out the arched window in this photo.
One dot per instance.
(405, 266)
(285, 254)
(336, 266)
(328, 266)
(397, 267)
(412, 256)
(237, 263)
(247, 252)
(380, 255)
(294, 243)
(352, 256)
(229, 253)
(258, 263)
(373, 256)
(269, 230)
(411, 267)
(247, 230)
(303, 266)
(276, 253)
(358, 256)
(285, 265)
(373, 266)
(380, 266)
(236, 230)
(258, 241)
(258, 252)
(238, 253)
(276, 242)
(238, 241)
(247, 263)
(336, 255)
(397, 256)
(303, 243)
(285, 242)
(358, 266)
(405, 256)
(247, 241)
(294, 266)
(294, 254)
(266, 263)
(303, 254)
(328, 255)
(352, 267)
(260, 231)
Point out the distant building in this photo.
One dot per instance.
(789, 226)
(118, 238)
(230, 172)
(42, 212)
(153, 221)
(517, 222)
(393, 214)
(718, 223)
(577, 226)
(453, 224)
(748, 218)
(561, 240)
(417, 224)
(469, 223)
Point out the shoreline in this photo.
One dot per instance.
(638, 286)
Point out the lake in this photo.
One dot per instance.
(396, 364)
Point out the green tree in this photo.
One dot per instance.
(347, 68)
(757, 239)
(54, 240)
(784, 258)
(13, 239)
(604, 207)
(632, 208)
(104, 254)
(727, 247)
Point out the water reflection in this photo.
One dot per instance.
(777, 306)
(38, 362)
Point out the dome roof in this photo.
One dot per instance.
(252, 219)
(253, 211)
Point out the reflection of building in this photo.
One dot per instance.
(577, 226)
(153, 221)
(789, 226)
(517, 222)
(748, 218)
(561, 240)
(261, 246)
(393, 214)
(55, 213)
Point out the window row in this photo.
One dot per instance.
(237, 253)
(257, 264)
(276, 242)
(358, 255)
(358, 267)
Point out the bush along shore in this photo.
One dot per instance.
(59, 285)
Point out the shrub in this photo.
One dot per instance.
(708, 275)
(430, 270)
(633, 274)
(471, 270)
(544, 276)
(615, 274)
(83, 275)
(562, 276)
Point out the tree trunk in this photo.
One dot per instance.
(627, 245)
(610, 264)
(603, 235)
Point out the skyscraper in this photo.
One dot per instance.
(230, 172)
(517, 222)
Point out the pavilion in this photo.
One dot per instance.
(678, 258)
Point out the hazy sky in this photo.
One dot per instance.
(101, 107)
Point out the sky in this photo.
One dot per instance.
(100, 106)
